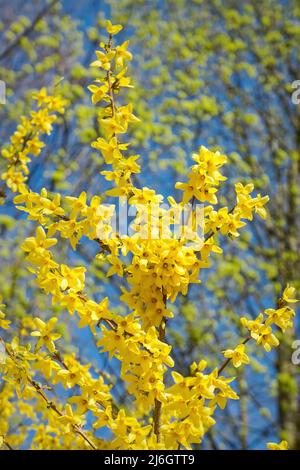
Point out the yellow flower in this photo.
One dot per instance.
(110, 150)
(69, 419)
(237, 355)
(39, 241)
(14, 179)
(47, 366)
(113, 29)
(103, 60)
(111, 126)
(280, 317)
(72, 278)
(98, 92)
(104, 417)
(4, 323)
(117, 266)
(122, 54)
(289, 294)
(125, 115)
(83, 403)
(45, 334)
(41, 96)
(253, 326)
(266, 338)
(283, 445)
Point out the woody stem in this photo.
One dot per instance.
(157, 403)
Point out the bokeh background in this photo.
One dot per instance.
(215, 73)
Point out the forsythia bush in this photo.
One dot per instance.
(168, 410)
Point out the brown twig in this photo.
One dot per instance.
(213, 232)
(157, 403)
(8, 445)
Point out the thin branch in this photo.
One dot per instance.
(157, 403)
(8, 445)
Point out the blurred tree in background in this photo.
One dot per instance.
(217, 73)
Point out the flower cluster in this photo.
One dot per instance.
(228, 222)
(143, 356)
(261, 330)
(204, 178)
(191, 403)
(156, 268)
(26, 141)
(72, 217)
